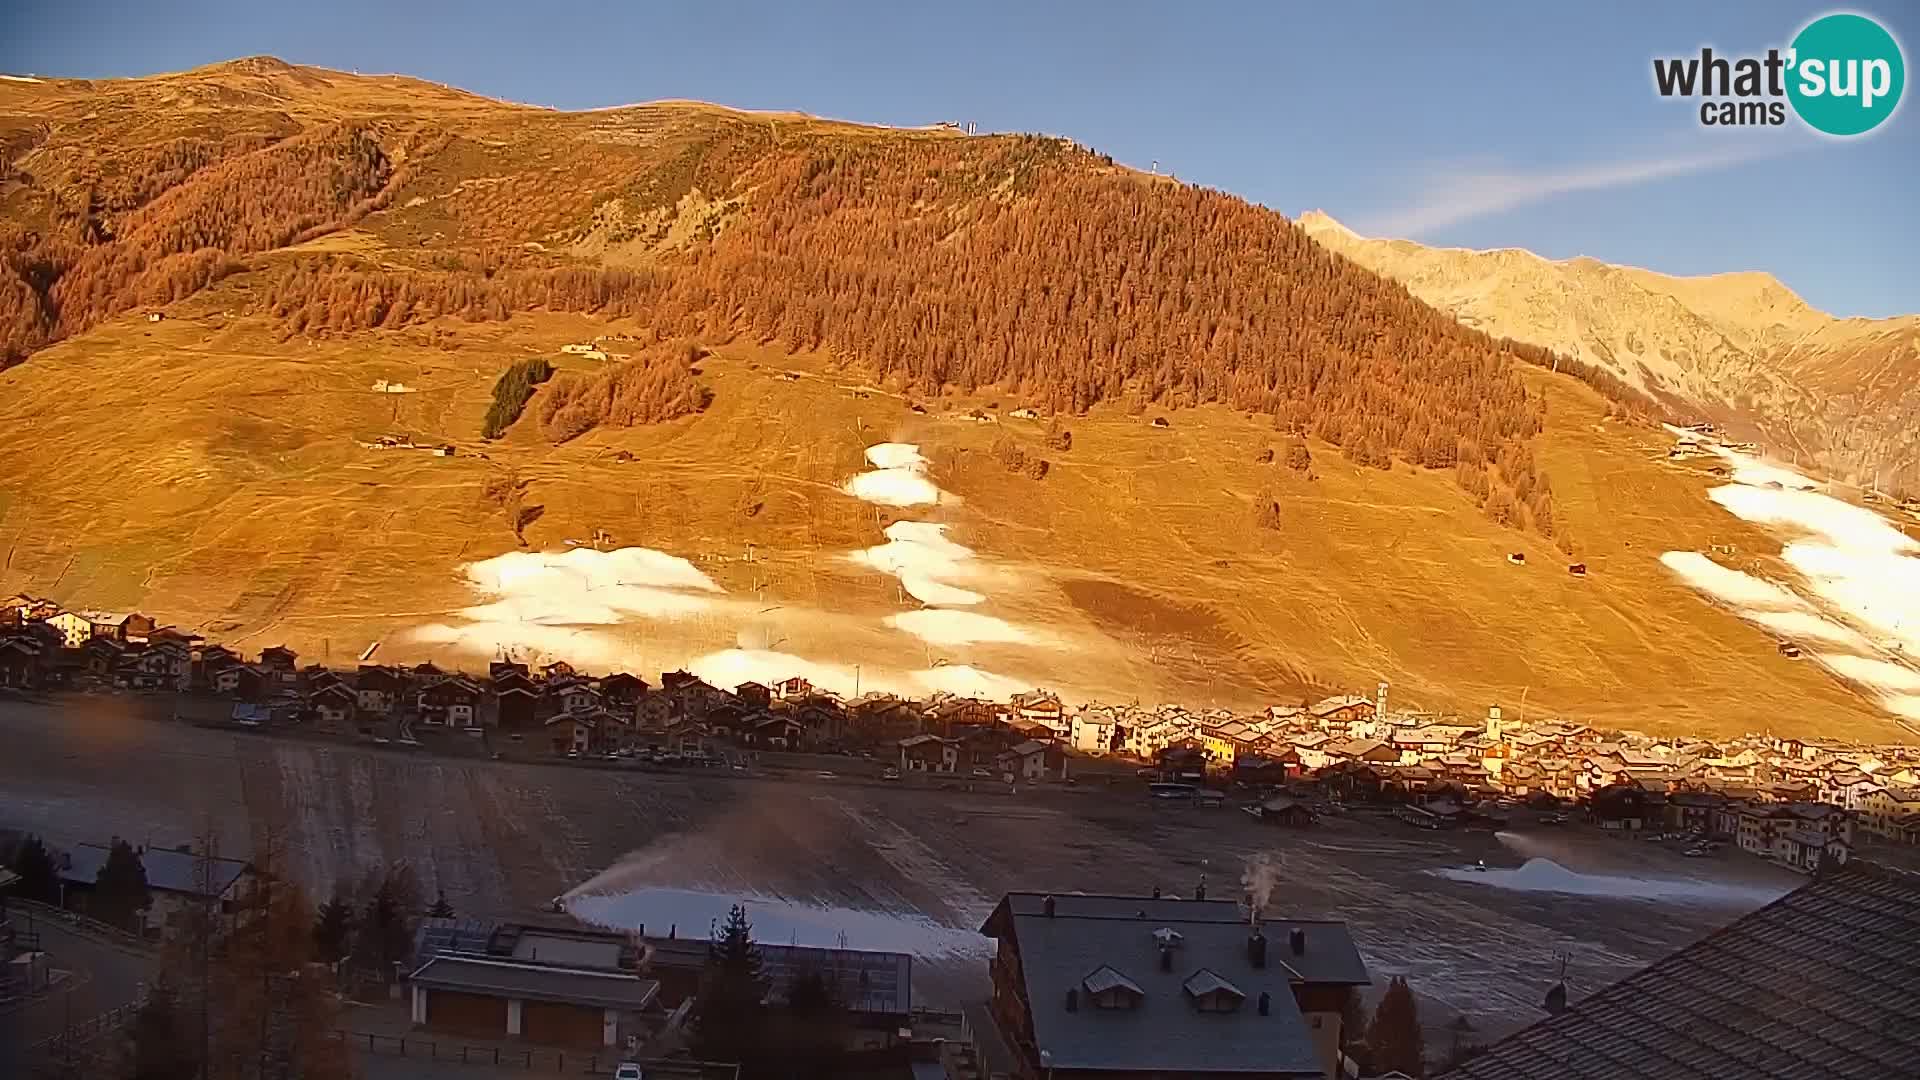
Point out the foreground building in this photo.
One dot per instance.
(1822, 984)
(1132, 986)
(558, 986)
(180, 882)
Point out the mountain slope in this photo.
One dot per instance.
(929, 260)
(1739, 347)
(774, 295)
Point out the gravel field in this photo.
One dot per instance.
(504, 838)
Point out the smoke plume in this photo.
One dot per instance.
(1259, 878)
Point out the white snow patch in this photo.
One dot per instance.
(1881, 590)
(1883, 674)
(898, 478)
(1859, 586)
(696, 915)
(1807, 626)
(1545, 875)
(543, 600)
(1736, 587)
(939, 627)
(925, 561)
(895, 455)
(1841, 524)
(583, 570)
(894, 487)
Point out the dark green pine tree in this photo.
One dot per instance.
(1394, 1037)
(728, 1015)
(332, 929)
(440, 909)
(39, 877)
(120, 888)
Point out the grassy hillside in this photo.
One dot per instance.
(215, 477)
(793, 291)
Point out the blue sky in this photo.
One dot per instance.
(1484, 125)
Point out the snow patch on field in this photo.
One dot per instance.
(898, 477)
(937, 627)
(692, 914)
(545, 600)
(1545, 875)
(1858, 587)
(925, 561)
(1735, 587)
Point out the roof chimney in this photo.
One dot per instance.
(1046, 906)
(1156, 892)
(1556, 1002)
(1257, 949)
(1073, 1000)
(1166, 958)
(1297, 941)
(1266, 1003)
(1200, 890)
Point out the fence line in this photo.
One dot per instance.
(532, 1059)
(89, 1029)
(82, 924)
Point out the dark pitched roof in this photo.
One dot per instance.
(1822, 984)
(508, 978)
(1094, 943)
(167, 869)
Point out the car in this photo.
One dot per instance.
(889, 773)
(573, 753)
(982, 774)
(826, 774)
(739, 766)
(627, 1070)
(1694, 852)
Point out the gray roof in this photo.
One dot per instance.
(1329, 956)
(1822, 984)
(1105, 978)
(167, 870)
(536, 982)
(1166, 1030)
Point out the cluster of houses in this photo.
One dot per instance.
(1776, 797)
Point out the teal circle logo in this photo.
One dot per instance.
(1846, 74)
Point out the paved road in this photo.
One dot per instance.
(101, 976)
